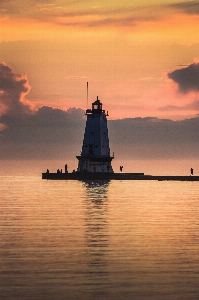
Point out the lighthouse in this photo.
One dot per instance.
(95, 155)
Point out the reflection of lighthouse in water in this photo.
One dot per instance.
(97, 239)
(95, 155)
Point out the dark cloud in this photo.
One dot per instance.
(48, 133)
(187, 78)
(187, 7)
(55, 134)
(152, 138)
(13, 88)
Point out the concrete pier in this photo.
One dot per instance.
(115, 176)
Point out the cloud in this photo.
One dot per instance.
(152, 138)
(80, 13)
(187, 7)
(86, 14)
(13, 88)
(187, 78)
(50, 134)
(191, 106)
(47, 133)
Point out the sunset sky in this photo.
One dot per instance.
(140, 57)
(124, 49)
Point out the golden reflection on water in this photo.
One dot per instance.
(97, 236)
(98, 240)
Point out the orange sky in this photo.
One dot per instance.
(124, 49)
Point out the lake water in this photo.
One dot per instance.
(98, 240)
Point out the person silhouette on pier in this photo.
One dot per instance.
(191, 171)
(121, 167)
(66, 168)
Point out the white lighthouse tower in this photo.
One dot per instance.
(95, 155)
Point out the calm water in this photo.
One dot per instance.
(116, 240)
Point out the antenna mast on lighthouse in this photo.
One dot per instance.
(87, 94)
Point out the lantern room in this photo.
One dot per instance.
(96, 108)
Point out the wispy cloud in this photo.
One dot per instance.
(76, 13)
(192, 106)
(75, 77)
(187, 7)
